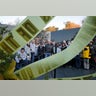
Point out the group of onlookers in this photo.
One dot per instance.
(87, 57)
(38, 49)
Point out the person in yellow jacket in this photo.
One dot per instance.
(86, 56)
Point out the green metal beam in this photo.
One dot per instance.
(27, 30)
(84, 36)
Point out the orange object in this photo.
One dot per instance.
(51, 29)
(70, 25)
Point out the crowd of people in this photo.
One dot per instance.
(38, 49)
(86, 58)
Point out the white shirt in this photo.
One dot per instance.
(32, 47)
(27, 49)
(23, 55)
(28, 57)
(17, 59)
(58, 50)
(36, 50)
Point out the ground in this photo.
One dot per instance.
(68, 71)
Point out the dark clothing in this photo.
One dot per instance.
(48, 48)
(78, 61)
(93, 50)
(93, 56)
(41, 51)
(32, 57)
(23, 63)
(63, 47)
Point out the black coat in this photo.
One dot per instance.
(49, 48)
(63, 47)
(41, 50)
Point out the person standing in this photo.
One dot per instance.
(28, 52)
(48, 49)
(63, 46)
(41, 51)
(86, 57)
(54, 47)
(68, 42)
(54, 52)
(32, 47)
(58, 48)
(93, 55)
(23, 57)
(17, 59)
(78, 61)
(36, 50)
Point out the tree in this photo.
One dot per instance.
(7, 66)
(0, 37)
(3, 31)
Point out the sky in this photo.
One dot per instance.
(58, 21)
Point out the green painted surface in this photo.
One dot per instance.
(84, 36)
(27, 30)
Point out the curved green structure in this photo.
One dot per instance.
(36, 69)
(27, 30)
(86, 33)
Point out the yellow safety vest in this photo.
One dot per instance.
(86, 52)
